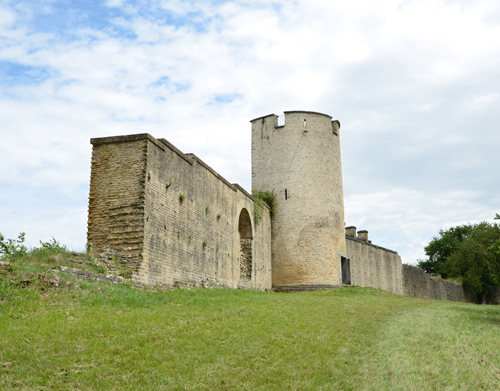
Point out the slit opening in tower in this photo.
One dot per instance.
(286, 194)
(246, 237)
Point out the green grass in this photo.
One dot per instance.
(90, 336)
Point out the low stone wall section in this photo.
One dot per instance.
(304, 288)
(373, 266)
(420, 285)
(91, 276)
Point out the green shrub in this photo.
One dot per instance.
(261, 198)
(53, 245)
(12, 248)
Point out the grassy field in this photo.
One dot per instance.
(91, 336)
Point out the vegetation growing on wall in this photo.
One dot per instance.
(261, 198)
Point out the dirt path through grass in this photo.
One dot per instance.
(440, 346)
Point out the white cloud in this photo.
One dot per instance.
(114, 3)
(414, 84)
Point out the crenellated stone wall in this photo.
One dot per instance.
(374, 266)
(174, 216)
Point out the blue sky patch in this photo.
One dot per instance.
(177, 87)
(12, 73)
(64, 18)
(226, 98)
(164, 80)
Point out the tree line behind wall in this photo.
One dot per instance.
(469, 253)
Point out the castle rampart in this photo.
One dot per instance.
(374, 266)
(176, 220)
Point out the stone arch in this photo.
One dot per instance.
(246, 237)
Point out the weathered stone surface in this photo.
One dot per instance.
(4, 265)
(171, 217)
(116, 200)
(374, 266)
(417, 283)
(300, 160)
(304, 288)
(50, 279)
(91, 276)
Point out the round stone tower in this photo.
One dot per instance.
(298, 156)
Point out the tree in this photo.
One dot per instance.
(495, 247)
(12, 247)
(476, 262)
(470, 253)
(441, 247)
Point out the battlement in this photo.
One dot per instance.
(298, 119)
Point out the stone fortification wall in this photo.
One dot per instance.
(116, 200)
(299, 158)
(188, 226)
(419, 284)
(374, 266)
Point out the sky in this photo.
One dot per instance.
(414, 83)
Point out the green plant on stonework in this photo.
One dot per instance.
(204, 244)
(207, 209)
(181, 198)
(218, 217)
(122, 268)
(12, 248)
(88, 249)
(125, 272)
(50, 252)
(101, 270)
(53, 245)
(168, 185)
(261, 198)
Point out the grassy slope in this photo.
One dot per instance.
(89, 336)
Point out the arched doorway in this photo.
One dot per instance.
(245, 230)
